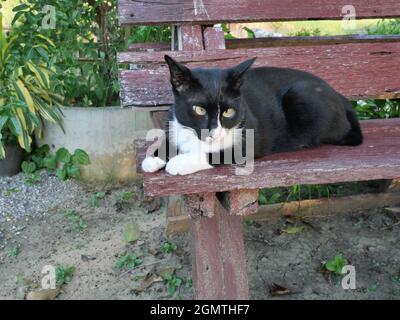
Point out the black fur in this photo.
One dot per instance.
(288, 109)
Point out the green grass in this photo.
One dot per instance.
(308, 192)
(385, 26)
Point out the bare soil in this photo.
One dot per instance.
(370, 241)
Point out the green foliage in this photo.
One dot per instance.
(129, 261)
(95, 197)
(168, 247)
(87, 36)
(173, 283)
(14, 251)
(227, 31)
(142, 34)
(250, 33)
(385, 26)
(75, 220)
(377, 109)
(64, 274)
(126, 196)
(306, 32)
(65, 164)
(27, 86)
(9, 192)
(336, 264)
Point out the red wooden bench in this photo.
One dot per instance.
(357, 66)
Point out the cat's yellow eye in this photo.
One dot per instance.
(229, 113)
(200, 111)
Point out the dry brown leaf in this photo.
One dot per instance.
(44, 294)
(278, 290)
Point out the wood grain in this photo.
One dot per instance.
(218, 257)
(377, 158)
(356, 70)
(134, 12)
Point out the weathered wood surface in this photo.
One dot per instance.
(198, 205)
(268, 42)
(355, 70)
(239, 202)
(214, 38)
(133, 12)
(308, 41)
(377, 158)
(150, 46)
(218, 257)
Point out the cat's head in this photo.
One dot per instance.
(208, 99)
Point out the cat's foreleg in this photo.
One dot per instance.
(152, 164)
(188, 163)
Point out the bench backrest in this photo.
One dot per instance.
(358, 67)
(215, 11)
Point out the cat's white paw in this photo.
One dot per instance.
(187, 163)
(152, 164)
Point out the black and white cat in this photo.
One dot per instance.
(287, 109)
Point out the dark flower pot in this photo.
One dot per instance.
(11, 165)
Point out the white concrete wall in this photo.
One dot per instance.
(106, 134)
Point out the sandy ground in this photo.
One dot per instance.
(368, 240)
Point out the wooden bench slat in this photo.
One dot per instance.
(377, 158)
(267, 42)
(307, 41)
(355, 70)
(132, 12)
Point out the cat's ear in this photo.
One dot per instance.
(181, 77)
(235, 74)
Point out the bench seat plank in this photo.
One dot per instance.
(133, 12)
(356, 70)
(377, 158)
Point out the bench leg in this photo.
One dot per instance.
(218, 257)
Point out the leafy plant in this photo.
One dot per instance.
(126, 196)
(336, 264)
(65, 165)
(304, 32)
(27, 94)
(69, 163)
(14, 251)
(173, 283)
(142, 34)
(87, 36)
(385, 26)
(64, 274)
(75, 219)
(168, 247)
(130, 261)
(377, 109)
(95, 197)
(9, 192)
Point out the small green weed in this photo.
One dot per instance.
(64, 274)
(129, 261)
(168, 247)
(336, 264)
(14, 251)
(9, 192)
(95, 197)
(75, 219)
(173, 283)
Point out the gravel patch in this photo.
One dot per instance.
(20, 200)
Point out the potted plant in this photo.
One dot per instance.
(27, 95)
(87, 36)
